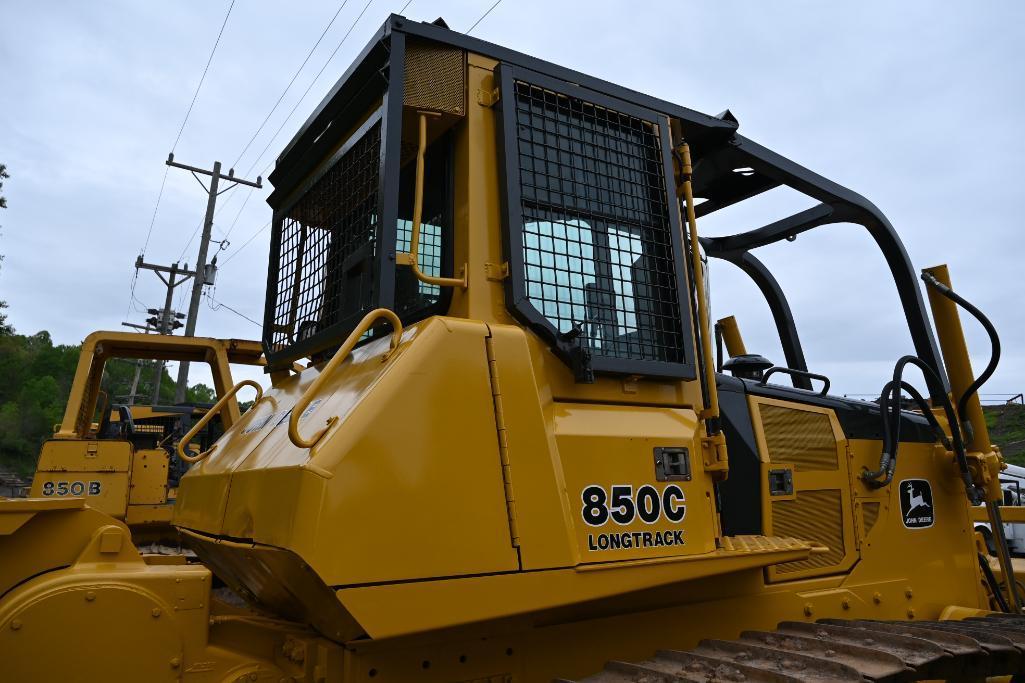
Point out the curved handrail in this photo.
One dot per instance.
(793, 372)
(216, 410)
(343, 352)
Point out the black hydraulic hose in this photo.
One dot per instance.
(955, 427)
(994, 338)
(891, 433)
(922, 405)
(993, 585)
(888, 460)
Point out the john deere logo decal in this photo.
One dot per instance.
(916, 503)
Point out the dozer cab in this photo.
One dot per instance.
(124, 462)
(508, 455)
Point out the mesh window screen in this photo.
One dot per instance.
(410, 293)
(597, 246)
(326, 245)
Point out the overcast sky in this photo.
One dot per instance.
(917, 105)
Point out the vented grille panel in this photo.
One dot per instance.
(597, 243)
(435, 78)
(812, 516)
(799, 437)
(869, 515)
(326, 248)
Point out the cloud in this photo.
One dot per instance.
(917, 107)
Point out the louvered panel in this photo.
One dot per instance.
(799, 437)
(811, 516)
(869, 515)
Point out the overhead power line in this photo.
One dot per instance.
(287, 118)
(203, 77)
(309, 87)
(177, 139)
(217, 305)
(245, 244)
(470, 30)
(153, 218)
(291, 82)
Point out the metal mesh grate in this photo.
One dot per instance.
(411, 294)
(597, 242)
(435, 78)
(326, 245)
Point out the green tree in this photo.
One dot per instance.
(200, 393)
(5, 328)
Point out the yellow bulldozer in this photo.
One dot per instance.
(124, 462)
(496, 446)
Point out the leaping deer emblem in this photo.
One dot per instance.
(915, 501)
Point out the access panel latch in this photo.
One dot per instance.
(672, 464)
(781, 482)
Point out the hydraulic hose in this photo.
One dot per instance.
(994, 339)
(891, 433)
(889, 402)
(994, 586)
(890, 413)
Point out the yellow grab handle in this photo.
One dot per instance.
(343, 352)
(209, 416)
(412, 258)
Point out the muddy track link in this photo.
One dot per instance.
(842, 650)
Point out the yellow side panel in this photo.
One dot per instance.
(149, 477)
(105, 491)
(409, 607)
(416, 462)
(407, 484)
(200, 503)
(544, 517)
(608, 459)
(148, 514)
(84, 456)
(253, 490)
(808, 443)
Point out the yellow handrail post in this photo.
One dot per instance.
(412, 259)
(343, 352)
(216, 410)
(731, 336)
(712, 410)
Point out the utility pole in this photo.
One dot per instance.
(138, 365)
(164, 320)
(203, 274)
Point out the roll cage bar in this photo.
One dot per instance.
(715, 181)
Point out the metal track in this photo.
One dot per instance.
(841, 650)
